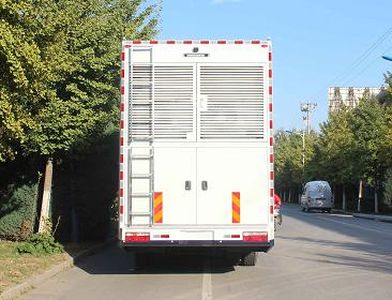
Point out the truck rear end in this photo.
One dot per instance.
(196, 146)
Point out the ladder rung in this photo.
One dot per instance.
(140, 214)
(141, 139)
(142, 64)
(141, 176)
(141, 157)
(135, 82)
(141, 195)
(142, 104)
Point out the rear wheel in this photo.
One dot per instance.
(249, 259)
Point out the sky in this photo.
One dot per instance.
(316, 44)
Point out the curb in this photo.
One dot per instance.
(341, 212)
(387, 219)
(32, 282)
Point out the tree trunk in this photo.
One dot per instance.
(343, 197)
(375, 201)
(289, 195)
(45, 205)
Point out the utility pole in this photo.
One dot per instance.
(308, 109)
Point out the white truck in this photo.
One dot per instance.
(196, 146)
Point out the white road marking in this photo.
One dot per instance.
(206, 293)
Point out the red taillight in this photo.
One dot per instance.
(235, 236)
(255, 237)
(271, 209)
(165, 236)
(137, 237)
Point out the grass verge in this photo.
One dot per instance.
(16, 268)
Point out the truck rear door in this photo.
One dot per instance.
(232, 172)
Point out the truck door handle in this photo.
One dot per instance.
(204, 185)
(188, 185)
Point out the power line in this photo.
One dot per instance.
(364, 56)
(360, 72)
(356, 62)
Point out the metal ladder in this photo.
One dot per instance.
(141, 160)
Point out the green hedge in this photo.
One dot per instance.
(18, 206)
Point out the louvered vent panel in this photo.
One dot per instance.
(141, 98)
(235, 97)
(173, 101)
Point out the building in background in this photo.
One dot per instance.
(349, 97)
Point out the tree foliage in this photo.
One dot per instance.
(351, 145)
(333, 159)
(59, 64)
(291, 148)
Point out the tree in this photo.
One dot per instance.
(59, 69)
(370, 129)
(333, 160)
(385, 96)
(23, 74)
(291, 173)
(59, 63)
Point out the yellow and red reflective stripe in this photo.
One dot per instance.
(236, 207)
(158, 207)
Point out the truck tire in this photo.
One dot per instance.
(249, 260)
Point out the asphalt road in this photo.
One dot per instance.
(316, 256)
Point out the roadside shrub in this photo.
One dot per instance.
(18, 206)
(39, 244)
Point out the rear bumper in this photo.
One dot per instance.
(224, 245)
(319, 206)
(316, 205)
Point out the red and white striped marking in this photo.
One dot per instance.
(121, 141)
(271, 134)
(263, 44)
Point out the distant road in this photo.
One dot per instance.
(316, 256)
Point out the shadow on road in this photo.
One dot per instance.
(114, 260)
(367, 246)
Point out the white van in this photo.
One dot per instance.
(317, 195)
